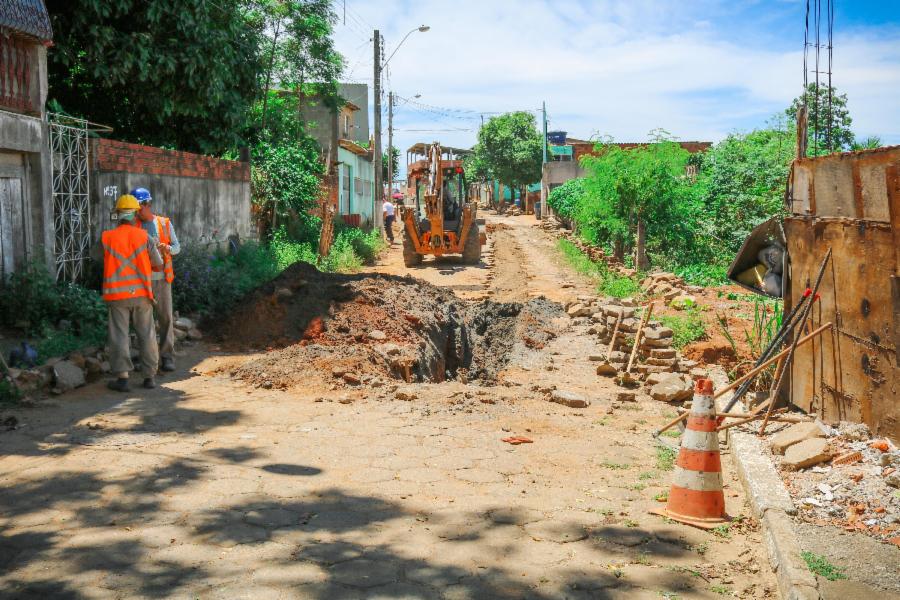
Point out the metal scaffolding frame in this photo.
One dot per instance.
(71, 197)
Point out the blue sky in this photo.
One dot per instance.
(699, 69)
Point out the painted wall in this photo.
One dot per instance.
(207, 199)
(357, 185)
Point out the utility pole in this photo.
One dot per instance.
(379, 185)
(544, 208)
(390, 148)
(544, 108)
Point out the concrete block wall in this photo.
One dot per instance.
(208, 199)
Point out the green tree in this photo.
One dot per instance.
(395, 162)
(309, 62)
(639, 194)
(741, 181)
(178, 73)
(829, 119)
(285, 186)
(510, 148)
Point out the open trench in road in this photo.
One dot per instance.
(363, 328)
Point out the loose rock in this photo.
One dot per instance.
(67, 376)
(672, 388)
(570, 399)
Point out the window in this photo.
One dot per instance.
(346, 187)
(346, 134)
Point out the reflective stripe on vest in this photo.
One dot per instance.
(163, 227)
(126, 264)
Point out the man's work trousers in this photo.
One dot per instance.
(137, 312)
(162, 292)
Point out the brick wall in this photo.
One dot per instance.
(208, 199)
(113, 156)
(587, 149)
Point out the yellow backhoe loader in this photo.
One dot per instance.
(442, 217)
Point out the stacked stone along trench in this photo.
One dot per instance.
(657, 363)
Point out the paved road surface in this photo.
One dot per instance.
(206, 488)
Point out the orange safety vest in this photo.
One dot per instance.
(126, 263)
(164, 227)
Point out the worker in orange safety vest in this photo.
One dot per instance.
(160, 228)
(129, 256)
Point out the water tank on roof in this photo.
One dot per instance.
(557, 137)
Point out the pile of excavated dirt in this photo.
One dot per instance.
(360, 329)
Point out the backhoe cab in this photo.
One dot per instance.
(442, 218)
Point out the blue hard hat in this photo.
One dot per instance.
(142, 194)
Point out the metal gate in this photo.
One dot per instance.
(71, 198)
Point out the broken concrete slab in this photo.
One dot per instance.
(570, 399)
(807, 453)
(794, 435)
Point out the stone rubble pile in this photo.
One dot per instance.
(842, 476)
(59, 375)
(665, 373)
(671, 288)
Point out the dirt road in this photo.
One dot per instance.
(210, 488)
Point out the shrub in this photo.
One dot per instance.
(32, 300)
(619, 286)
(687, 327)
(609, 282)
(209, 283)
(565, 198)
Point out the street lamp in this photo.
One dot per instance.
(420, 28)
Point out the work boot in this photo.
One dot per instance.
(118, 385)
(149, 383)
(167, 364)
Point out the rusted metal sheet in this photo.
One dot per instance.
(850, 203)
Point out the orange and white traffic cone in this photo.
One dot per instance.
(696, 497)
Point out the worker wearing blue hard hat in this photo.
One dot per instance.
(160, 229)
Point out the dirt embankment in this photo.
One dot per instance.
(367, 327)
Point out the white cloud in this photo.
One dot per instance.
(614, 66)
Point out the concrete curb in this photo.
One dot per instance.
(771, 504)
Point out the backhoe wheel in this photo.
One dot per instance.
(472, 250)
(411, 258)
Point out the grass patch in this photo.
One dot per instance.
(647, 475)
(662, 497)
(616, 466)
(631, 523)
(665, 458)
(687, 327)
(619, 286)
(722, 531)
(819, 565)
(720, 589)
(609, 283)
(637, 487)
(672, 433)
(702, 274)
